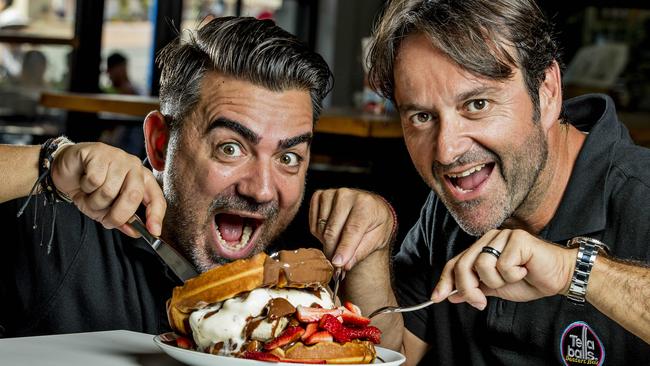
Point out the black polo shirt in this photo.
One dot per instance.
(607, 198)
(93, 279)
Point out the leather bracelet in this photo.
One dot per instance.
(48, 152)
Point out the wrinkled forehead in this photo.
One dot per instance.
(258, 108)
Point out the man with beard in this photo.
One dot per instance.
(525, 191)
(230, 149)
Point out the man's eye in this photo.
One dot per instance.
(477, 105)
(290, 159)
(421, 117)
(230, 149)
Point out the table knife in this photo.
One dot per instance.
(181, 267)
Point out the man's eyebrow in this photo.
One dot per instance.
(296, 140)
(235, 126)
(476, 92)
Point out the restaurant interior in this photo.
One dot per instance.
(86, 69)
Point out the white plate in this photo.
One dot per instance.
(196, 358)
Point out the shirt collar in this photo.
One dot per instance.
(583, 208)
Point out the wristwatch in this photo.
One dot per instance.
(588, 249)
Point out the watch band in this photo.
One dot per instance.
(587, 252)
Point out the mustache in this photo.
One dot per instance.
(240, 203)
(467, 158)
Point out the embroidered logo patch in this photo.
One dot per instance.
(581, 346)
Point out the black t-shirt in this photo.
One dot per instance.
(93, 279)
(607, 198)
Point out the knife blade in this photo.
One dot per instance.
(338, 273)
(181, 267)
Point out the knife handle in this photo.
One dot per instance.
(136, 223)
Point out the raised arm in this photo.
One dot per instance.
(104, 182)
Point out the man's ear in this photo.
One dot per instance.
(550, 96)
(156, 137)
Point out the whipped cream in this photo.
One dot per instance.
(225, 322)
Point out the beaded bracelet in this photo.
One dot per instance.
(393, 230)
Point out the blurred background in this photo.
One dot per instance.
(86, 69)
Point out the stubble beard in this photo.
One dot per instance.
(187, 226)
(476, 217)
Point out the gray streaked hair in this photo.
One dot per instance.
(478, 35)
(248, 49)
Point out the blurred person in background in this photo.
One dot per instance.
(117, 70)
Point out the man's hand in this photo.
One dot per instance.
(527, 269)
(350, 223)
(108, 185)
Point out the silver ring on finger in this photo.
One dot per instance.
(491, 251)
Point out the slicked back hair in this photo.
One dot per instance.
(478, 35)
(244, 48)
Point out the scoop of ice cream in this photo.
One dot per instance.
(226, 322)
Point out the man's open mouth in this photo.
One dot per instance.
(235, 235)
(470, 179)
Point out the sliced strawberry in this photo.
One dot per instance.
(313, 315)
(290, 334)
(309, 330)
(351, 318)
(343, 334)
(322, 336)
(373, 334)
(353, 308)
(334, 326)
(260, 356)
(184, 342)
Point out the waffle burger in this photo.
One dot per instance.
(271, 308)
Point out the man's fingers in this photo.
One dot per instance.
(155, 202)
(488, 259)
(445, 285)
(128, 200)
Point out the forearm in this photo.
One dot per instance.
(19, 167)
(368, 285)
(622, 292)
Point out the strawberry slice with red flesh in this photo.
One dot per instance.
(260, 356)
(343, 334)
(184, 342)
(322, 336)
(309, 330)
(313, 315)
(351, 318)
(291, 334)
(353, 308)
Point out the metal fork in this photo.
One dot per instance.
(400, 309)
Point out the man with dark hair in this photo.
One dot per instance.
(117, 70)
(527, 194)
(229, 151)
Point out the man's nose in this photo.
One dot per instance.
(257, 183)
(452, 140)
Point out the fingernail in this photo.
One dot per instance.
(337, 260)
(435, 294)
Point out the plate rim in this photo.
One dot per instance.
(165, 347)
